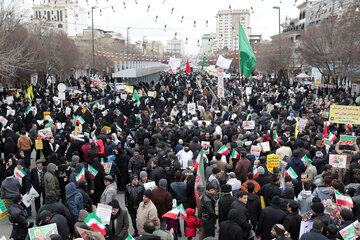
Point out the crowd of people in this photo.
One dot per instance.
(99, 142)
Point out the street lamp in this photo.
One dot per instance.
(127, 41)
(143, 45)
(279, 40)
(93, 39)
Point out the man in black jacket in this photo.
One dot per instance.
(241, 212)
(253, 205)
(292, 220)
(208, 217)
(37, 181)
(229, 229)
(156, 172)
(133, 197)
(225, 202)
(17, 217)
(269, 190)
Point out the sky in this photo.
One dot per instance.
(141, 18)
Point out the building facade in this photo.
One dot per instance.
(227, 27)
(176, 47)
(208, 44)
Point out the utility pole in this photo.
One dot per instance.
(127, 41)
(279, 41)
(93, 40)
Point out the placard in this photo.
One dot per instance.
(255, 150)
(206, 146)
(273, 160)
(43, 232)
(191, 108)
(248, 125)
(149, 185)
(10, 99)
(3, 121)
(265, 146)
(46, 114)
(338, 161)
(302, 124)
(152, 94)
(306, 226)
(10, 112)
(344, 114)
(348, 233)
(347, 140)
(88, 234)
(104, 213)
(29, 198)
(47, 132)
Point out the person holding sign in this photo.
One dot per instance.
(119, 223)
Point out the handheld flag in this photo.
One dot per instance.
(343, 200)
(235, 154)
(296, 129)
(248, 59)
(21, 173)
(173, 213)
(276, 138)
(200, 176)
(81, 175)
(325, 133)
(291, 173)
(331, 137)
(203, 64)
(188, 69)
(135, 96)
(58, 126)
(80, 120)
(92, 171)
(223, 150)
(255, 172)
(129, 237)
(95, 223)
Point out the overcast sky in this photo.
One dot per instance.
(264, 20)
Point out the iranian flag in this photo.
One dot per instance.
(331, 137)
(223, 150)
(325, 133)
(80, 120)
(212, 109)
(276, 137)
(21, 173)
(94, 126)
(95, 223)
(291, 173)
(58, 126)
(92, 171)
(129, 237)
(117, 100)
(235, 154)
(343, 200)
(205, 158)
(41, 135)
(238, 128)
(255, 172)
(104, 113)
(173, 213)
(279, 105)
(81, 175)
(200, 175)
(198, 158)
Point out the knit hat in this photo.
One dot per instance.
(213, 162)
(55, 237)
(142, 174)
(115, 203)
(317, 207)
(133, 177)
(148, 193)
(275, 200)
(261, 170)
(226, 188)
(162, 183)
(319, 154)
(109, 178)
(231, 175)
(216, 170)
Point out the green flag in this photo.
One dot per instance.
(135, 96)
(203, 64)
(248, 59)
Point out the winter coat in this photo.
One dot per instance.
(72, 177)
(314, 234)
(208, 209)
(162, 200)
(320, 163)
(148, 236)
(156, 174)
(323, 192)
(269, 190)
(145, 213)
(133, 197)
(325, 218)
(178, 191)
(225, 206)
(192, 222)
(98, 181)
(109, 193)
(18, 217)
(296, 163)
(10, 188)
(254, 209)
(242, 218)
(74, 201)
(109, 148)
(311, 172)
(269, 216)
(51, 181)
(242, 169)
(305, 201)
(292, 224)
(230, 230)
(53, 206)
(120, 230)
(263, 179)
(86, 198)
(136, 165)
(64, 229)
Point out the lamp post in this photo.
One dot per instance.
(93, 39)
(279, 40)
(127, 41)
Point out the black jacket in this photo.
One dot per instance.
(156, 174)
(269, 190)
(208, 209)
(292, 224)
(133, 197)
(225, 206)
(35, 178)
(269, 216)
(148, 236)
(254, 209)
(263, 179)
(230, 230)
(17, 217)
(242, 216)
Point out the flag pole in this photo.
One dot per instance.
(239, 59)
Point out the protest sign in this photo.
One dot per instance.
(223, 62)
(88, 234)
(306, 226)
(129, 89)
(348, 233)
(255, 150)
(344, 114)
(149, 185)
(347, 140)
(206, 146)
(221, 89)
(29, 198)
(43, 232)
(152, 94)
(104, 213)
(248, 125)
(191, 108)
(273, 160)
(337, 160)
(3, 121)
(265, 146)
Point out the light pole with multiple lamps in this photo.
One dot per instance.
(279, 40)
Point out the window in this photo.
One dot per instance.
(48, 15)
(36, 14)
(60, 25)
(57, 15)
(61, 16)
(39, 14)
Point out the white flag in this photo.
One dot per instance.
(223, 62)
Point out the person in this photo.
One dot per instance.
(315, 232)
(214, 179)
(283, 151)
(149, 229)
(82, 189)
(164, 235)
(83, 214)
(136, 163)
(293, 220)
(18, 218)
(192, 222)
(51, 181)
(46, 217)
(25, 143)
(250, 179)
(233, 182)
(74, 201)
(270, 190)
(230, 229)
(10, 188)
(208, 170)
(208, 215)
(278, 232)
(162, 200)
(310, 169)
(305, 198)
(178, 189)
(225, 202)
(296, 163)
(239, 205)
(119, 222)
(347, 219)
(184, 156)
(323, 191)
(133, 196)
(253, 205)
(270, 215)
(110, 190)
(145, 212)
(37, 181)
(317, 210)
(200, 192)
(263, 178)
(243, 167)
(223, 166)
(156, 173)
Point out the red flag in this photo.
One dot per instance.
(325, 133)
(188, 69)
